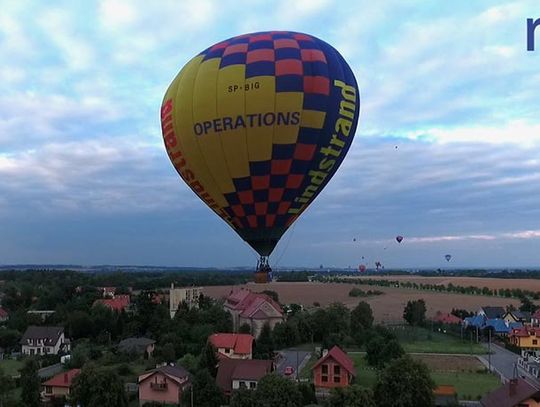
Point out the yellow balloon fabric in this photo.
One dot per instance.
(257, 125)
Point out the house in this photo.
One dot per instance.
(4, 316)
(234, 374)
(517, 316)
(253, 309)
(514, 393)
(446, 318)
(445, 395)
(165, 385)
(118, 303)
(107, 292)
(43, 340)
(139, 346)
(234, 346)
(491, 312)
(535, 318)
(334, 369)
(477, 321)
(59, 386)
(500, 327)
(525, 337)
(187, 295)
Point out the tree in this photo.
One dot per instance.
(206, 393)
(308, 393)
(274, 390)
(264, 345)
(527, 305)
(243, 398)
(361, 321)
(380, 351)
(415, 312)
(6, 385)
(404, 383)
(244, 328)
(285, 334)
(352, 396)
(95, 387)
(30, 384)
(9, 338)
(167, 353)
(189, 362)
(208, 359)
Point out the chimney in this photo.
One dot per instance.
(512, 387)
(324, 352)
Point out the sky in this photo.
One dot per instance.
(85, 179)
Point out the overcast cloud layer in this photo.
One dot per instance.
(447, 152)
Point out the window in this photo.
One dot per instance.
(324, 369)
(324, 373)
(324, 379)
(337, 370)
(242, 385)
(48, 389)
(252, 385)
(337, 379)
(535, 341)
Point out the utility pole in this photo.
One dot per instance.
(297, 378)
(489, 348)
(191, 394)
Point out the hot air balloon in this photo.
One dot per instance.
(354, 239)
(257, 125)
(378, 265)
(399, 238)
(362, 268)
(448, 257)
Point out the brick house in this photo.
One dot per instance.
(118, 303)
(334, 369)
(253, 309)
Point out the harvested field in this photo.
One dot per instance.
(387, 307)
(492, 283)
(450, 363)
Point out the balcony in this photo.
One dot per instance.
(158, 386)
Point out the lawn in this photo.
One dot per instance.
(422, 340)
(11, 366)
(469, 385)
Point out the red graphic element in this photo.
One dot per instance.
(289, 67)
(294, 181)
(260, 37)
(275, 194)
(286, 43)
(252, 220)
(316, 84)
(246, 197)
(260, 182)
(304, 152)
(304, 37)
(261, 208)
(281, 167)
(270, 219)
(259, 55)
(283, 208)
(238, 210)
(312, 55)
(236, 48)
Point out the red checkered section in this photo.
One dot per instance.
(259, 55)
(289, 67)
(316, 84)
(304, 151)
(260, 182)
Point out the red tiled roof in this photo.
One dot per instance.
(3, 313)
(536, 314)
(446, 318)
(249, 303)
(63, 379)
(510, 394)
(525, 332)
(119, 303)
(340, 357)
(240, 343)
(241, 369)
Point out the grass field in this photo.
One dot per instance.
(469, 385)
(11, 366)
(420, 340)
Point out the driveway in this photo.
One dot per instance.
(291, 357)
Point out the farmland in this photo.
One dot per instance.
(386, 308)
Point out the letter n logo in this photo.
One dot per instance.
(531, 26)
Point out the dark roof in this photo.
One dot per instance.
(241, 369)
(340, 357)
(176, 371)
(51, 334)
(494, 312)
(510, 394)
(135, 344)
(522, 315)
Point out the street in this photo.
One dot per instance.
(295, 359)
(503, 362)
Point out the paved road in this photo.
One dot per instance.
(503, 362)
(291, 357)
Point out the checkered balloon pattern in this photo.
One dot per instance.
(257, 125)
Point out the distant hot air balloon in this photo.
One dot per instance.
(362, 257)
(448, 257)
(257, 125)
(399, 238)
(354, 239)
(378, 265)
(362, 268)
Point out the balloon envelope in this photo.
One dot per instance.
(448, 257)
(257, 125)
(361, 268)
(399, 238)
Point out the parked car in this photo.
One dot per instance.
(289, 370)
